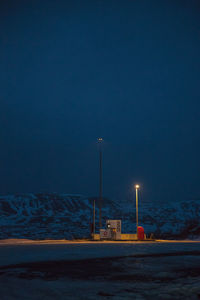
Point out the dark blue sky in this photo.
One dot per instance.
(128, 71)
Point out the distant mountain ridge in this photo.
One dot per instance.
(179, 219)
(47, 215)
(58, 216)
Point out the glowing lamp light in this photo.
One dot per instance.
(137, 186)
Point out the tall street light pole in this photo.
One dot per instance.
(136, 197)
(93, 218)
(100, 140)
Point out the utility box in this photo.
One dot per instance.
(112, 231)
(105, 234)
(113, 227)
(140, 233)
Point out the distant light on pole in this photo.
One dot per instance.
(136, 197)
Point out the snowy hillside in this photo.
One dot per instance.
(177, 219)
(47, 215)
(53, 215)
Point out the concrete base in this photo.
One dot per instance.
(128, 236)
(124, 237)
(96, 237)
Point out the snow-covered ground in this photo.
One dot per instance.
(100, 271)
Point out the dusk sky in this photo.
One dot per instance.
(127, 71)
